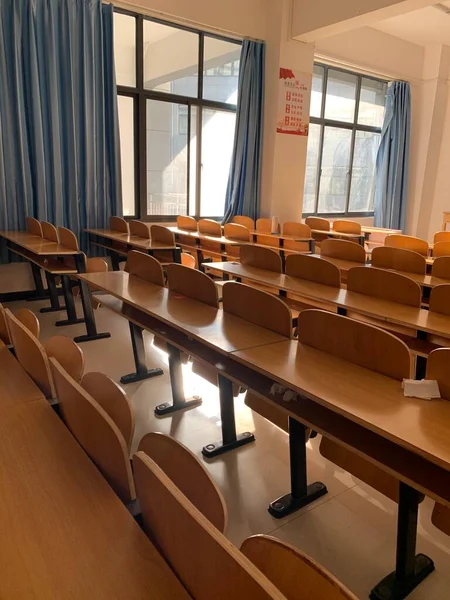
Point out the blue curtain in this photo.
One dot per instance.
(392, 167)
(244, 183)
(59, 137)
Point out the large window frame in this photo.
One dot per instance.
(141, 95)
(353, 126)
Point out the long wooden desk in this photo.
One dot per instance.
(214, 332)
(425, 281)
(359, 409)
(361, 238)
(130, 242)
(65, 534)
(38, 252)
(391, 312)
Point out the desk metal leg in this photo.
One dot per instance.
(301, 494)
(179, 401)
(55, 306)
(342, 311)
(72, 318)
(115, 260)
(410, 569)
(137, 341)
(177, 255)
(40, 291)
(230, 440)
(421, 361)
(312, 246)
(88, 312)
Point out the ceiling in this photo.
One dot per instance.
(425, 26)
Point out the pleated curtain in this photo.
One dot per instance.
(244, 184)
(59, 136)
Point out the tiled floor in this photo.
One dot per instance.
(351, 530)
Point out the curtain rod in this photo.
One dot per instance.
(131, 6)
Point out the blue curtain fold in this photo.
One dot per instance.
(392, 166)
(244, 183)
(59, 134)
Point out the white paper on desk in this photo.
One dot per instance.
(426, 389)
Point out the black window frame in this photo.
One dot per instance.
(352, 126)
(141, 95)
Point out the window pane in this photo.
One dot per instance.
(371, 104)
(312, 158)
(170, 59)
(125, 49)
(335, 170)
(341, 96)
(166, 160)
(363, 174)
(316, 92)
(126, 130)
(221, 70)
(217, 148)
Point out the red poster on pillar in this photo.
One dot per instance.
(293, 102)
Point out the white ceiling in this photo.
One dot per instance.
(424, 26)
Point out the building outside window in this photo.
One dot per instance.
(346, 116)
(177, 92)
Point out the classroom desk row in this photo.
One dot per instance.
(47, 255)
(359, 409)
(421, 320)
(425, 281)
(65, 532)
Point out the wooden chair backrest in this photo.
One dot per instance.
(258, 307)
(356, 342)
(261, 258)
(265, 225)
(368, 347)
(67, 353)
(96, 433)
(210, 227)
(188, 223)
(145, 267)
(233, 231)
(343, 249)
(437, 368)
(139, 229)
(440, 517)
(206, 563)
(67, 238)
(30, 320)
(441, 267)
(118, 224)
(441, 249)
(187, 260)
(343, 226)
(33, 226)
(31, 355)
(441, 236)
(188, 474)
(4, 332)
(192, 284)
(398, 259)
(408, 242)
(440, 299)
(162, 235)
(245, 221)
(96, 265)
(295, 574)
(114, 401)
(49, 232)
(387, 285)
(297, 229)
(313, 268)
(318, 223)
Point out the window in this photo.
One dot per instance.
(346, 114)
(177, 90)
